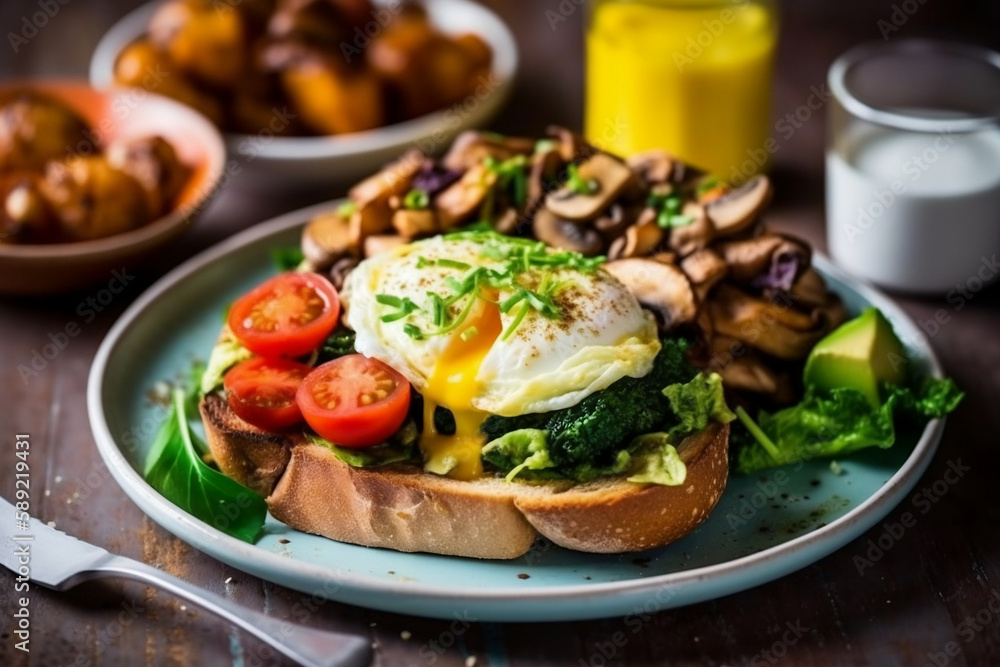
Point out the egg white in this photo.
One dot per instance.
(545, 364)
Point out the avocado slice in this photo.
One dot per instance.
(859, 354)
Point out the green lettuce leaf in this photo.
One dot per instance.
(402, 446)
(177, 472)
(933, 398)
(524, 449)
(840, 422)
(696, 403)
(227, 353)
(525, 453)
(657, 461)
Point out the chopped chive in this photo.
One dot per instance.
(512, 300)
(416, 200)
(389, 300)
(469, 334)
(347, 209)
(453, 264)
(491, 251)
(517, 322)
(535, 301)
(460, 319)
(544, 145)
(518, 256)
(413, 331)
(437, 308)
(578, 184)
(707, 184)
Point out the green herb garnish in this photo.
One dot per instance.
(545, 145)
(707, 184)
(511, 178)
(403, 306)
(668, 206)
(578, 184)
(347, 209)
(287, 258)
(175, 469)
(416, 200)
(515, 258)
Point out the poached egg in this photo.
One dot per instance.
(483, 324)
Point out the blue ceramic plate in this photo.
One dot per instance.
(764, 527)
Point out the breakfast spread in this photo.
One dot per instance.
(532, 338)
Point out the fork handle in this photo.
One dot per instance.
(307, 646)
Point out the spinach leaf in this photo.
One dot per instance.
(402, 446)
(529, 452)
(287, 258)
(339, 343)
(591, 432)
(176, 471)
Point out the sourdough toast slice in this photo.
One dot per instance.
(399, 506)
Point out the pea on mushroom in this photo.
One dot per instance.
(601, 179)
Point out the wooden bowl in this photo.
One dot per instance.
(117, 114)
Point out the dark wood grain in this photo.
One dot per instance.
(904, 610)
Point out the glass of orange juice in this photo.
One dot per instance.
(692, 77)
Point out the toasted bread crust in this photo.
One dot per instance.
(401, 507)
(253, 457)
(614, 515)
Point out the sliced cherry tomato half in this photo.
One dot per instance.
(262, 392)
(354, 401)
(288, 316)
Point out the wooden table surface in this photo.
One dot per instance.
(936, 590)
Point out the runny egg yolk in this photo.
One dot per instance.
(452, 385)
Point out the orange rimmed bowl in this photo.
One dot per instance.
(117, 113)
